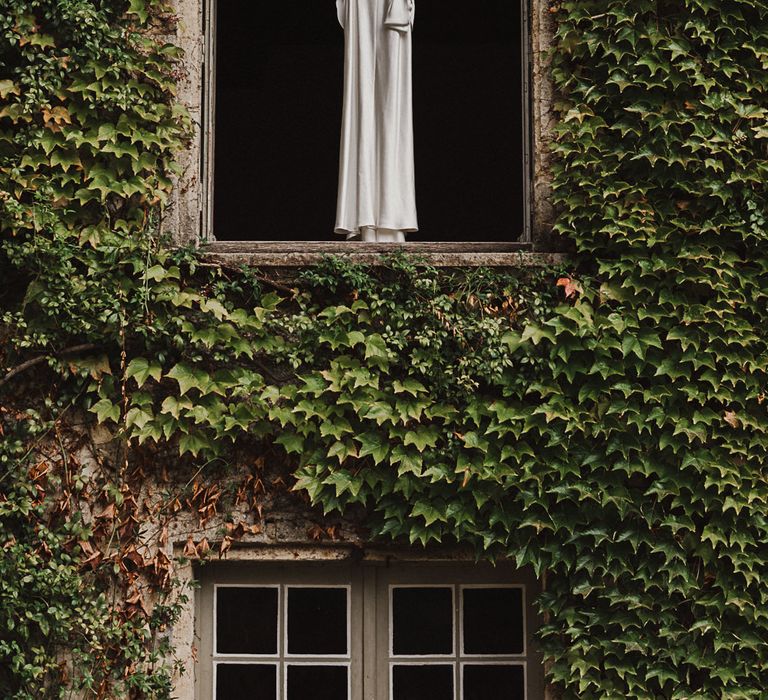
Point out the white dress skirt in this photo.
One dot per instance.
(377, 185)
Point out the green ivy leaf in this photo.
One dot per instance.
(422, 438)
(189, 378)
(373, 444)
(142, 369)
(139, 8)
(375, 347)
(410, 386)
(291, 442)
(105, 411)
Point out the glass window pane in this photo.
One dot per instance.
(317, 621)
(493, 682)
(246, 620)
(422, 620)
(493, 620)
(317, 682)
(246, 682)
(433, 682)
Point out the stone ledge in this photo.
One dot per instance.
(305, 254)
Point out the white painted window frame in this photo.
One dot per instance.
(458, 659)
(369, 614)
(252, 657)
(524, 602)
(300, 657)
(391, 638)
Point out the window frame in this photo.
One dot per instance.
(283, 577)
(206, 234)
(460, 612)
(253, 657)
(461, 575)
(369, 614)
(308, 657)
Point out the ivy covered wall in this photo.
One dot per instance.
(604, 425)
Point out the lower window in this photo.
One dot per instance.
(347, 631)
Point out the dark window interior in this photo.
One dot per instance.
(493, 682)
(416, 682)
(493, 620)
(422, 621)
(317, 621)
(252, 681)
(278, 117)
(246, 620)
(317, 682)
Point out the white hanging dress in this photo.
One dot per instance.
(377, 184)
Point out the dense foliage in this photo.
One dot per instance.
(88, 133)
(660, 514)
(610, 431)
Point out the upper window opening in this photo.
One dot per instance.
(276, 99)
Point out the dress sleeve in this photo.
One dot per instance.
(341, 11)
(399, 15)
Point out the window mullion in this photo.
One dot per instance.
(283, 641)
(457, 642)
(368, 635)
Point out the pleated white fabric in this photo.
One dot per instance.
(377, 190)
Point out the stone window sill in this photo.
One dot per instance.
(437, 254)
